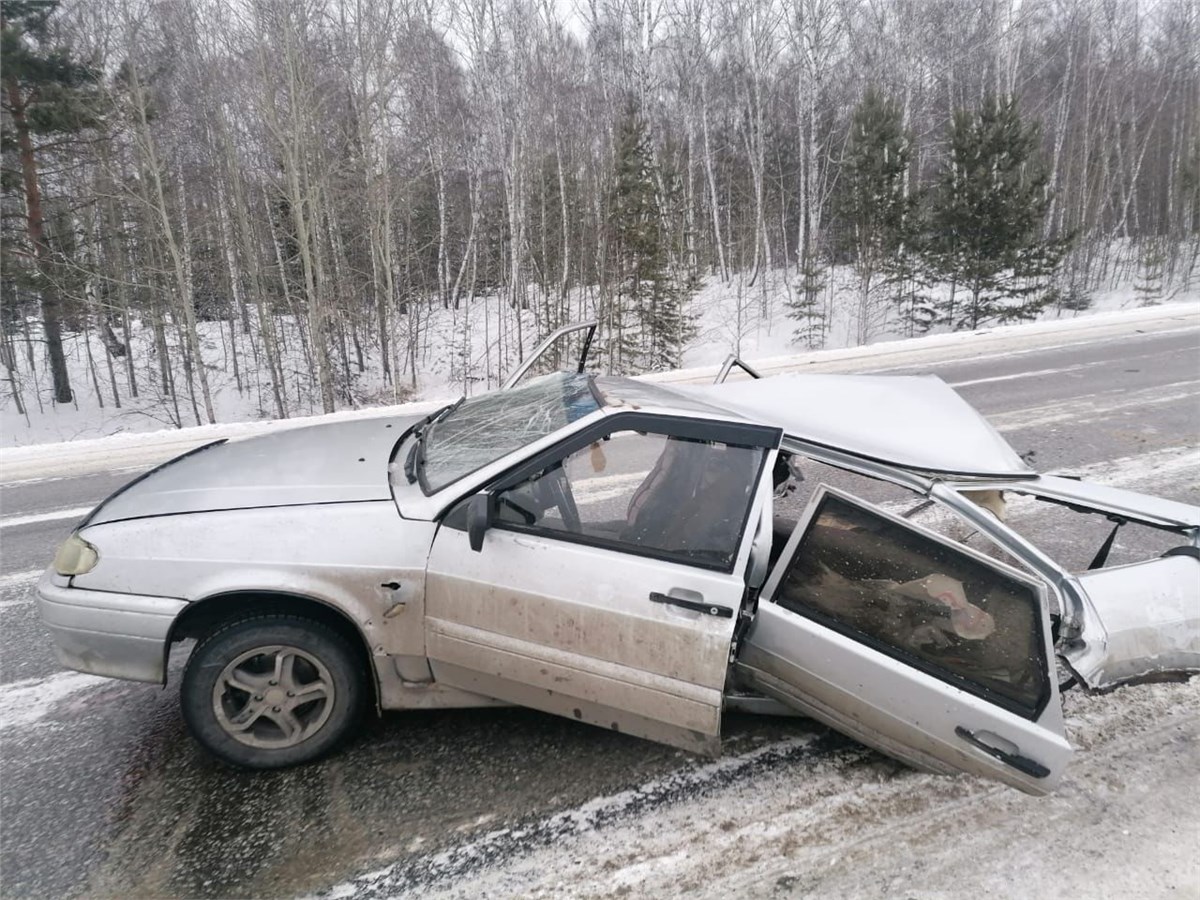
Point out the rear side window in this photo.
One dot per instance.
(920, 599)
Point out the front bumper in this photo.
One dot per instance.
(104, 633)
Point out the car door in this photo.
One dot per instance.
(564, 350)
(910, 643)
(609, 580)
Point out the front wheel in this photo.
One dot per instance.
(272, 690)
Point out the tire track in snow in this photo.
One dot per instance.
(447, 866)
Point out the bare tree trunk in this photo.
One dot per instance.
(714, 198)
(48, 291)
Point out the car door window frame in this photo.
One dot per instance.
(736, 434)
(1037, 587)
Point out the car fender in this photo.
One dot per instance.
(359, 558)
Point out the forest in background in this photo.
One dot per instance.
(310, 186)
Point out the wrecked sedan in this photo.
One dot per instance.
(638, 557)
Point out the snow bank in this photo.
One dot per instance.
(845, 822)
(140, 449)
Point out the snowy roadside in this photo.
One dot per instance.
(132, 450)
(851, 823)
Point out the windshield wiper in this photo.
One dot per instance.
(416, 456)
(410, 461)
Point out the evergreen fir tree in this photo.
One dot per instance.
(1149, 284)
(986, 216)
(45, 92)
(872, 205)
(647, 322)
(806, 308)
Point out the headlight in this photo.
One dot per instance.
(75, 557)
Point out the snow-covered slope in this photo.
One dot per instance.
(458, 350)
(137, 449)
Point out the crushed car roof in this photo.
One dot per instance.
(918, 422)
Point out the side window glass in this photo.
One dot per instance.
(922, 600)
(668, 496)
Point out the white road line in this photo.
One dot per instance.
(1124, 361)
(1090, 408)
(44, 479)
(54, 515)
(1038, 374)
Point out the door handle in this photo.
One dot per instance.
(1018, 762)
(721, 612)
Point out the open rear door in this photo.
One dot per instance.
(565, 350)
(910, 643)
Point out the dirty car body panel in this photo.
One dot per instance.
(606, 549)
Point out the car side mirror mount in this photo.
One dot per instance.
(479, 517)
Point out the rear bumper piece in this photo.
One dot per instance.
(104, 633)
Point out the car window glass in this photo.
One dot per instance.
(917, 598)
(485, 428)
(681, 498)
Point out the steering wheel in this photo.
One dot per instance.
(560, 490)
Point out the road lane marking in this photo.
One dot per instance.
(45, 479)
(1091, 407)
(27, 702)
(1013, 377)
(54, 515)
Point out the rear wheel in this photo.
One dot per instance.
(272, 690)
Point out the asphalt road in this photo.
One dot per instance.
(102, 793)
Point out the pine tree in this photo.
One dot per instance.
(806, 307)
(648, 324)
(985, 217)
(45, 93)
(872, 205)
(1149, 283)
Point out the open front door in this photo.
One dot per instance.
(912, 644)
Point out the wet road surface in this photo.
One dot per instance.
(102, 793)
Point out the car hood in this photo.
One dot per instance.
(918, 422)
(341, 462)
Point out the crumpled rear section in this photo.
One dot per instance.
(1142, 624)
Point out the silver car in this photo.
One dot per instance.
(637, 557)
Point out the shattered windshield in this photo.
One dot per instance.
(483, 429)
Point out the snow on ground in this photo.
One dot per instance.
(461, 351)
(135, 449)
(24, 703)
(796, 819)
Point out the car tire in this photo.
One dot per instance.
(269, 691)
